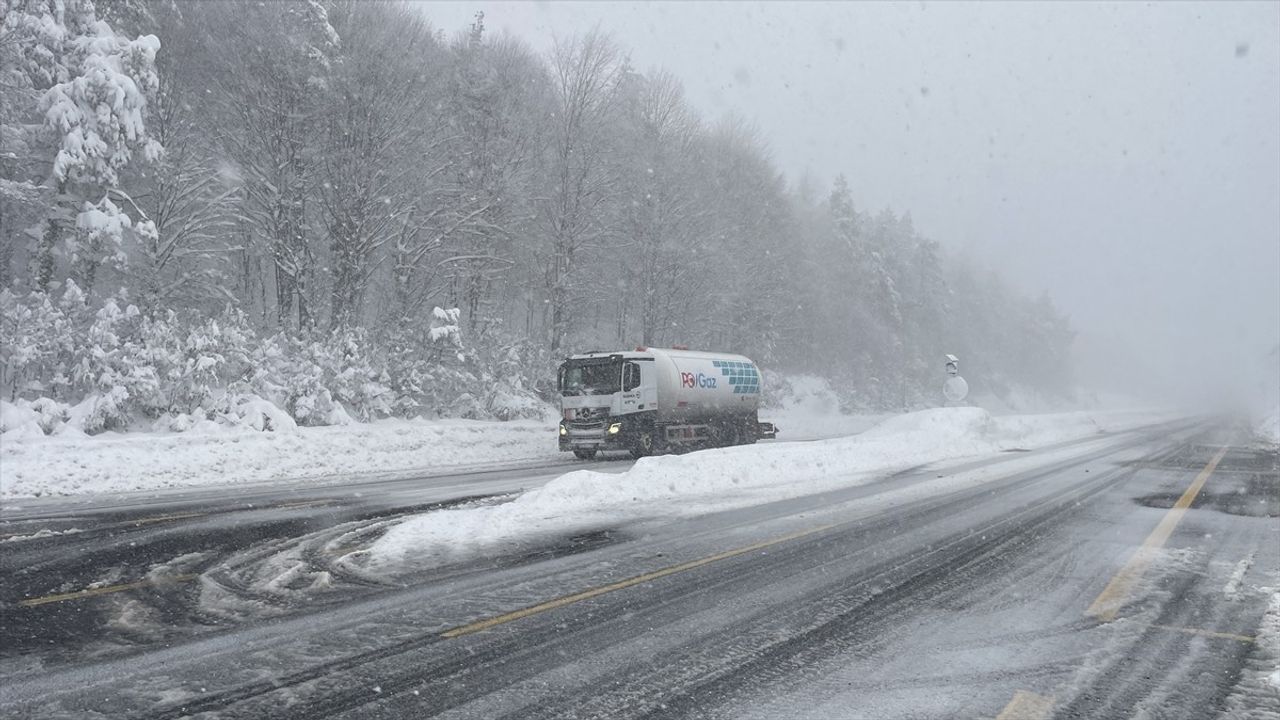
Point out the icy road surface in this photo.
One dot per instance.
(1125, 574)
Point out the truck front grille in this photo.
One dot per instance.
(589, 414)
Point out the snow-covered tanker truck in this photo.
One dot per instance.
(652, 401)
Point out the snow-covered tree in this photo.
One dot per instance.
(662, 217)
(586, 73)
(354, 216)
(498, 102)
(380, 133)
(188, 196)
(91, 87)
(274, 66)
(749, 251)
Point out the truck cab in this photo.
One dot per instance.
(606, 401)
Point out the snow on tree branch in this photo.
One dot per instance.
(99, 110)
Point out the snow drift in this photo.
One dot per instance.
(712, 480)
(32, 464)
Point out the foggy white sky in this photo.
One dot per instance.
(1125, 158)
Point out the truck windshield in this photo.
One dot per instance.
(590, 379)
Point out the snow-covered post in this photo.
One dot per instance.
(955, 389)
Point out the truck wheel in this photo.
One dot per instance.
(727, 436)
(585, 454)
(643, 446)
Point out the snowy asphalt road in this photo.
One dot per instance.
(1014, 584)
(116, 542)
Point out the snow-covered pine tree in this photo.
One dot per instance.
(91, 87)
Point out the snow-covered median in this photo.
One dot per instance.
(673, 486)
(69, 465)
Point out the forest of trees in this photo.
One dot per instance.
(334, 206)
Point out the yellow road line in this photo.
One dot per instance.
(560, 602)
(1027, 706)
(133, 523)
(1206, 633)
(1118, 590)
(33, 602)
(303, 503)
(164, 518)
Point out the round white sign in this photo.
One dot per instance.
(955, 388)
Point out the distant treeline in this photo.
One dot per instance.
(326, 174)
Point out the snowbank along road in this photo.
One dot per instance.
(1120, 574)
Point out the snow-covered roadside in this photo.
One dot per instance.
(1257, 693)
(32, 464)
(806, 407)
(1267, 430)
(209, 454)
(800, 424)
(109, 463)
(685, 485)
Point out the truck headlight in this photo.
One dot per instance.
(564, 430)
(615, 428)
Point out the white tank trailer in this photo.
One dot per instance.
(653, 401)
